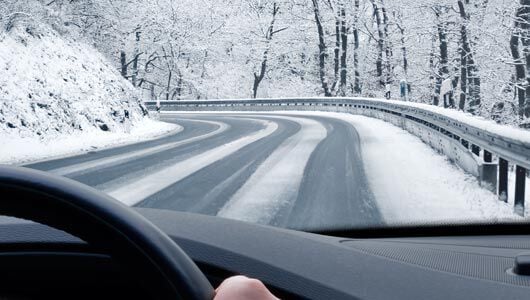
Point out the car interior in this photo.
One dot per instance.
(265, 149)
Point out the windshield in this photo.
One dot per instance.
(306, 114)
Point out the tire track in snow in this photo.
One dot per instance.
(334, 192)
(276, 182)
(137, 190)
(114, 160)
(209, 189)
(115, 176)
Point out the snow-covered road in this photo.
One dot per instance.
(292, 169)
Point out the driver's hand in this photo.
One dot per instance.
(243, 288)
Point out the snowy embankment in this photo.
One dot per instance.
(59, 97)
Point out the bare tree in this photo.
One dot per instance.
(443, 70)
(521, 35)
(387, 45)
(469, 71)
(344, 49)
(322, 50)
(355, 29)
(258, 77)
(380, 43)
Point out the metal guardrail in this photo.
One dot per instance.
(459, 140)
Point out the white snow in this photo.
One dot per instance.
(277, 180)
(50, 85)
(139, 188)
(113, 160)
(19, 150)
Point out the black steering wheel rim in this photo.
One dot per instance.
(100, 220)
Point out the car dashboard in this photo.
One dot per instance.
(294, 264)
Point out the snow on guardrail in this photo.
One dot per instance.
(479, 130)
(508, 131)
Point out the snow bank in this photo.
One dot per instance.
(59, 96)
(19, 150)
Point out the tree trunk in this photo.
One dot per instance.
(404, 50)
(434, 73)
(525, 41)
(344, 48)
(443, 70)
(388, 47)
(442, 36)
(357, 75)
(520, 72)
(135, 61)
(464, 55)
(168, 87)
(468, 65)
(463, 80)
(152, 90)
(322, 55)
(268, 37)
(123, 62)
(401, 28)
(380, 45)
(336, 60)
(178, 89)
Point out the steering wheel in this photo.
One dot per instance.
(131, 240)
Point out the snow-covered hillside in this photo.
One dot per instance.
(50, 85)
(53, 88)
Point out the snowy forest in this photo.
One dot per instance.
(475, 52)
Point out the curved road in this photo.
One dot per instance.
(302, 172)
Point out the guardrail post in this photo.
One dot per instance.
(487, 156)
(475, 149)
(464, 143)
(488, 172)
(503, 179)
(520, 182)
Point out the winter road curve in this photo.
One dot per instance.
(286, 170)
